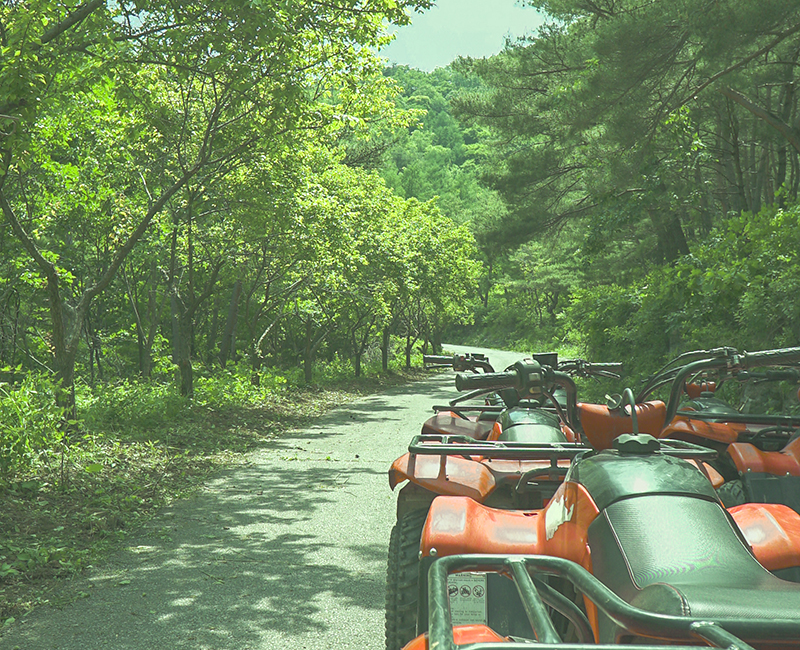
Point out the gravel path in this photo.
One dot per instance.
(286, 551)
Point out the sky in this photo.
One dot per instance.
(452, 28)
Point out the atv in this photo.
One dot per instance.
(461, 417)
(758, 442)
(520, 464)
(634, 548)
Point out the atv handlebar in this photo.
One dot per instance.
(438, 359)
(728, 359)
(487, 381)
(769, 357)
(526, 377)
(460, 362)
(583, 368)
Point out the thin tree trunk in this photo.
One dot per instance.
(229, 333)
(385, 340)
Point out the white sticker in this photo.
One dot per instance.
(468, 599)
(556, 515)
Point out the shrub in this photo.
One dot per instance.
(30, 424)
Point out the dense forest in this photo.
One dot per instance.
(630, 175)
(175, 192)
(244, 190)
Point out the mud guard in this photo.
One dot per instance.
(462, 634)
(684, 428)
(772, 531)
(446, 475)
(601, 425)
(449, 423)
(748, 457)
(457, 525)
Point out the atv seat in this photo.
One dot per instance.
(450, 424)
(533, 433)
(681, 556)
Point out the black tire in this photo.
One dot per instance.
(402, 579)
(731, 493)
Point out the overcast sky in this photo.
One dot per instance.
(452, 28)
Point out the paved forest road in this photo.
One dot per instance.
(285, 552)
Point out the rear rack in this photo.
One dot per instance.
(435, 444)
(535, 596)
(745, 418)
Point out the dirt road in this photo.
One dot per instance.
(287, 551)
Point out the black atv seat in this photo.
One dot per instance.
(530, 425)
(532, 433)
(682, 556)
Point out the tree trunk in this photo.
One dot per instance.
(385, 340)
(308, 354)
(229, 333)
(436, 340)
(181, 345)
(670, 236)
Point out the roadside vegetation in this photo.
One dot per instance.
(72, 496)
(630, 175)
(218, 221)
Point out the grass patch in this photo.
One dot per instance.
(137, 448)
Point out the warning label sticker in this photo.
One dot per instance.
(467, 597)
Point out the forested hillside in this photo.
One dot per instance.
(185, 240)
(175, 192)
(640, 171)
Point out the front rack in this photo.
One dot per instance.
(721, 633)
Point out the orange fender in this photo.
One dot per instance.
(448, 423)
(463, 635)
(747, 457)
(601, 425)
(773, 532)
(457, 525)
(455, 476)
(682, 426)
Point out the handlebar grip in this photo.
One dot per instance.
(606, 366)
(438, 359)
(770, 357)
(487, 380)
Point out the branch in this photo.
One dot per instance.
(27, 242)
(77, 16)
(792, 135)
(782, 36)
(123, 252)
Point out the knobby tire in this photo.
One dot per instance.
(402, 579)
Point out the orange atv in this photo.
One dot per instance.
(634, 549)
(758, 442)
(520, 464)
(461, 416)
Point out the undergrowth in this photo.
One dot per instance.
(72, 491)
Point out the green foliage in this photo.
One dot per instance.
(31, 425)
(129, 405)
(238, 387)
(742, 288)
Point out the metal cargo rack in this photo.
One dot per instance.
(527, 571)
